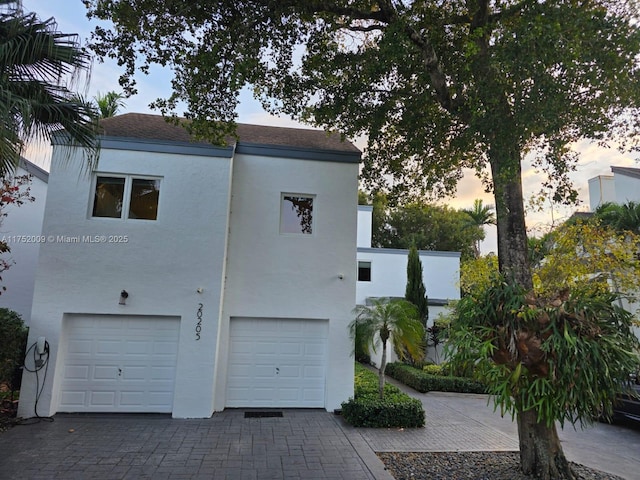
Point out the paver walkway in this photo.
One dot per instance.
(303, 444)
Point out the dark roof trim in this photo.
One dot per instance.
(159, 146)
(297, 153)
(432, 302)
(187, 148)
(34, 170)
(400, 251)
(365, 208)
(439, 302)
(628, 171)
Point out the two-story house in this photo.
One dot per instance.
(182, 277)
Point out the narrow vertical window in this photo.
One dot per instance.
(364, 271)
(144, 199)
(296, 214)
(109, 197)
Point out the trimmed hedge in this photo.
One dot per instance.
(424, 382)
(366, 409)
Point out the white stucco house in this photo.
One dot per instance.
(20, 229)
(382, 272)
(185, 278)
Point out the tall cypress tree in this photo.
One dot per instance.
(416, 292)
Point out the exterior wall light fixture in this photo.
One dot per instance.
(123, 297)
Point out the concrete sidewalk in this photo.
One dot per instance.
(309, 444)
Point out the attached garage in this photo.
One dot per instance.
(277, 363)
(115, 363)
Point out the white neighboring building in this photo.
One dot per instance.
(382, 272)
(21, 230)
(238, 265)
(621, 187)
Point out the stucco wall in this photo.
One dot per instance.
(161, 264)
(601, 190)
(441, 276)
(441, 273)
(626, 189)
(276, 275)
(21, 228)
(365, 225)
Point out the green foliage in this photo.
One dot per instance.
(563, 356)
(366, 409)
(388, 320)
(109, 104)
(38, 65)
(13, 341)
(476, 274)
(394, 320)
(433, 369)
(425, 226)
(423, 382)
(361, 347)
(416, 292)
(622, 218)
(479, 216)
(588, 255)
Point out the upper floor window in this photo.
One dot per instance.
(296, 214)
(126, 197)
(364, 271)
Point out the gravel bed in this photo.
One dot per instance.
(468, 466)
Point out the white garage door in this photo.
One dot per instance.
(277, 363)
(116, 363)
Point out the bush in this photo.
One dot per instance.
(13, 341)
(432, 369)
(398, 410)
(366, 409)
(424, 382)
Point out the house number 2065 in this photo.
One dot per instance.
(199, 323)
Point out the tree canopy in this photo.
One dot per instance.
(427, 226)
(109, 104)
(436, 86)
(38, 66)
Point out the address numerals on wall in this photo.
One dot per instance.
(199, 321)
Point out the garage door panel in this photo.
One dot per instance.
(105, 372)
(79, 346)
(290, 371)
(269, 362)
(102, 398)
(262, 372)
(163, 373)
(119, 364)
(313, 371)
(77, 398)
(314, 349)
(290, 348)
(76, 372)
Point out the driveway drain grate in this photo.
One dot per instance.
(262, 414)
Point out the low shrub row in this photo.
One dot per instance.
(424, 382)
(366, 409)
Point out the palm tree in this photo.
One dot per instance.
(38, 66)
(625, 217)
(479, 216)
(109, 104)
(388, 320)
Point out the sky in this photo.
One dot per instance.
(594, 160)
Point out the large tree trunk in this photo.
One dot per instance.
(540, 450)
